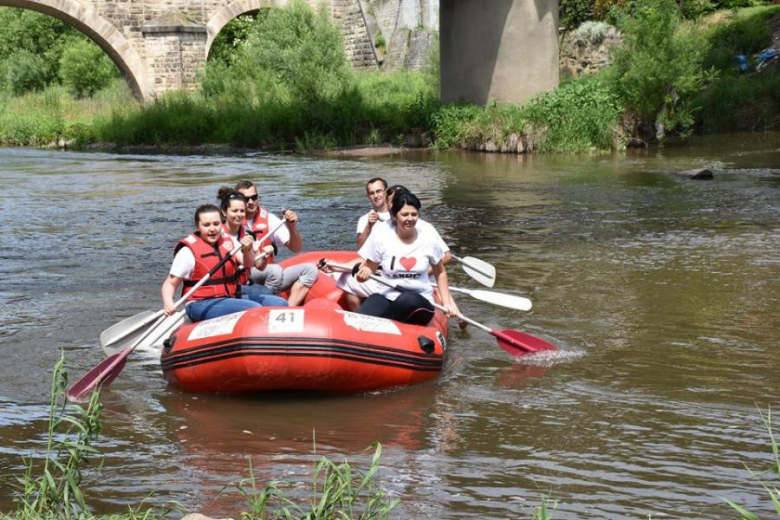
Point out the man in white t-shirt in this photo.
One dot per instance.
(375, 191)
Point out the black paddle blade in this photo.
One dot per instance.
(521, 343)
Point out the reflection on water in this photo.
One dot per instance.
(661, 292)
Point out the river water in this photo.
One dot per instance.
(662, 294)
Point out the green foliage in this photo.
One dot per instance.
(23, 72)
(338, 491)
(571, 13)
(300, 49)
(658, 68)
(749, 32)
(544, 511)
(35, 33)
(86, 69)
(580, 115)
(71, 430)
(738, 104)
(379, 40)
(773, 473)
(232, 36)
(695, 8)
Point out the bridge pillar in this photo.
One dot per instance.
(175, 52)
(502, 49)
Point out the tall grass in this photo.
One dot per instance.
(56, 490)
(338, 490)
(773, 472)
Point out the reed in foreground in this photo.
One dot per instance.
(337, 491)
(772, 473)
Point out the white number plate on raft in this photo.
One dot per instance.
(365, 323)
(285, 320)
(216, 326)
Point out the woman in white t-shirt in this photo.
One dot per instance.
(405, 256)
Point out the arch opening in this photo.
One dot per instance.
(100, 31)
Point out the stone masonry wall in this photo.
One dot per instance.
(407, 26)
(582, 56)
(357, 42)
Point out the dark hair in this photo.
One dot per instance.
(396, 188)
(244, 185)
(404, 198)
(226, 194)
(376, 179)
(205, 208)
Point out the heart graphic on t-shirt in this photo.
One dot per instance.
(408, 263)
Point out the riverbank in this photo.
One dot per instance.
(683, 82)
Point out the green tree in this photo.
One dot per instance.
(85, 68)
(22, 72)
(300, 48)
(35, 33)
(658, 68)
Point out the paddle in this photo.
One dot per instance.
(108, 369)
(509, 301)
(479, 270)
(162, 330)
(514, 342)
(129, 328)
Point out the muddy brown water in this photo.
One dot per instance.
(662, 294)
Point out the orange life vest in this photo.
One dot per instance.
(260, 228)
(243, 272)
(223, 283)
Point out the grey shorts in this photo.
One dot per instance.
(278, 278)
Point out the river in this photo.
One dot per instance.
(662, 294)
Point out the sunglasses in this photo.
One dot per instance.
(253, 198)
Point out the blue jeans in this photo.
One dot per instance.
(207, 309)
(261, 294)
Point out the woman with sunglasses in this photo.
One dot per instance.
(195, 256)
(297, 279)
(233, 207)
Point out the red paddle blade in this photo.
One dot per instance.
(102, 375)
(521, 343)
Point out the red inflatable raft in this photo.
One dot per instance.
(318, 346)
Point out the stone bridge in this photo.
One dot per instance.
(504, 49)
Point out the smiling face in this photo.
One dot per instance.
(406, 218)
(210, 227)
(376, 194)
(235, 213)
(251, 199)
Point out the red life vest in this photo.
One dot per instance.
(223, 283)
(260, 228)
(227, 239)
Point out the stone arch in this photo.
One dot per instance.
(99, 30)
(233, 10)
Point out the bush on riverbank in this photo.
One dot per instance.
(287, 84)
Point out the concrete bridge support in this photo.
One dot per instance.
(498, 49)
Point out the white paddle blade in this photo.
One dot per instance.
(479, 270)
(504, 300)
(153, 341)
(126, 329)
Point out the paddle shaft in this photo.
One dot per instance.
(496, 298)
(506, 342)
(109, 368)
(189, 293)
